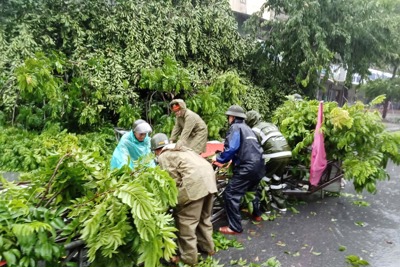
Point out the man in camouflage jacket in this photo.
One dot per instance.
(277, 154)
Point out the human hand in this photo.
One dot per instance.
(179, 144)
(217, 164)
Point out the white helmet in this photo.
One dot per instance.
(141, 126)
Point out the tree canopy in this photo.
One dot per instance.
(80, 62)
(85, 64)
(314, 34)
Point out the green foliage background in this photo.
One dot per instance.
(86, 63)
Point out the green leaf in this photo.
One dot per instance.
(10, 257)
(135, 196)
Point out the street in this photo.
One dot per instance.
(325, 231)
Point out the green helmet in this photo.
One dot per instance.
(159, 140)
(236, 111)
(297, 97)
(253, 117)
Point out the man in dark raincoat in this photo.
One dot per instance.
(241, 146)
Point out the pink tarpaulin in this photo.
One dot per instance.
(318, 154)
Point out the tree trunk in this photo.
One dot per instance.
(385, 108)
(387, 100)
(394, 71)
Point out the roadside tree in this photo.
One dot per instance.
(308, 36)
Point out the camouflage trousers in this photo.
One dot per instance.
(271, 184)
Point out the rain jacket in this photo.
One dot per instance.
(271, 139)
(242, 147)
(191, 131)
(194, 176)
(128, 150)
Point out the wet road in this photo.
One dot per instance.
(315, 236)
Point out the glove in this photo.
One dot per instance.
(214, 158)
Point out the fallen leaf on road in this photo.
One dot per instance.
(280, 243)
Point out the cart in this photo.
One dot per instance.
(296, 185)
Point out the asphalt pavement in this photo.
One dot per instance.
(321, 232)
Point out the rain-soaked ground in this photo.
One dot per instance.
(326, 230)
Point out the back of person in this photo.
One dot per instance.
(277, 154)
(195, 179)
(248, 157)
(192, 172)
(271, 139)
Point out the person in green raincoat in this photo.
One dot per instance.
(277, 154)
(132, 145)
(189, 130)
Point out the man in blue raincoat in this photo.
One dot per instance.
(242, 147)
(133, 145)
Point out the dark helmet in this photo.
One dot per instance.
(253, 117)
(236, 111)
(141, 126)
(159, 140)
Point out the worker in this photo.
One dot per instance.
(241, 146)
(189, 130)
(277, 154)
(195, 179)
(133, 145)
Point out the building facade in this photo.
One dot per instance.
(249, 7)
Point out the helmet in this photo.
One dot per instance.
(178, 103)
(159, 140)
(253, 117)
(297, 97)
(141, 126)
(236, 111)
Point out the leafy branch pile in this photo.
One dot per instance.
(354, 135)
(122, 216)
(25, 151)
